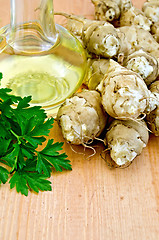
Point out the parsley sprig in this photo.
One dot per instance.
(22, 129)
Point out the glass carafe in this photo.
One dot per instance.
(38, 57)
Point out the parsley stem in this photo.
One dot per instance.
(18, 137)
(14, 166)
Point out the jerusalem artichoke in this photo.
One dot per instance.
(134, 16)
(110, 10)
(155, 31)
(144, 64)
(151, 10)
(99, 37)
(97, 69)
(82, 117)
(126, 139)
(106, 10)
(133, 38)
(124, 93)
(153, 117)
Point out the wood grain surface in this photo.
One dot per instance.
(91, 202)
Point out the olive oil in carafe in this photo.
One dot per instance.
(48, 78)
(41, 59)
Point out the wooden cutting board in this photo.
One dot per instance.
(91, 202)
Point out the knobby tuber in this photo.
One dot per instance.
(134, 16)
(133, 38)
(124, 93)
(82, 117)
(99, 37)
(155, 31)
(75, 27)
(153, 117)
(126, 139)
(106, 10)
(97, 69)
(110, 10)
(151, 10)
(144, 64)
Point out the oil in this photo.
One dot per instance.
(49, 75)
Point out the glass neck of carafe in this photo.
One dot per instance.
(32, 27)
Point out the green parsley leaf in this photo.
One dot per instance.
(4, 145)
(50, 157)
(43, 165)
(42, 129)
(28, 118)
(22, 129)
(4, 174)
(3, 130)
(19, 181)
(35, 141)
(11, 159)
(4, 95)
(23, 181)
